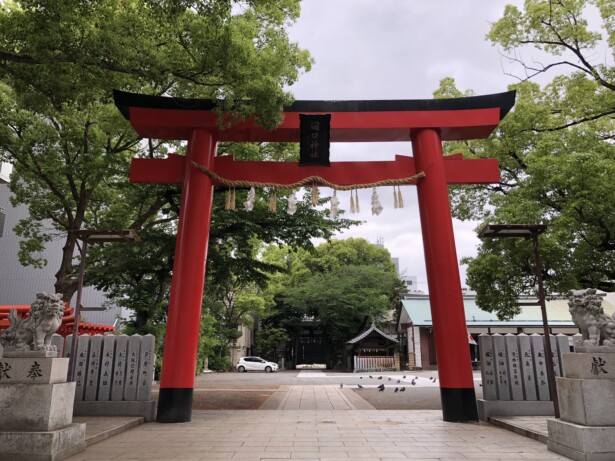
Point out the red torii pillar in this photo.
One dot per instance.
(426, 123)
(445, 295)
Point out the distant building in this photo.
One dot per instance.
(415, 325)
(395, 261)
(19, 284)
(5, 172)
(411, 283)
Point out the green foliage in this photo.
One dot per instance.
(268, 341)
(556, 156)
(209, 343)
(220, 363)
(70, 147)
(237, 278)
(344, 285)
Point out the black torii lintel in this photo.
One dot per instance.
(472, 117)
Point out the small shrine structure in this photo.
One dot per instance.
(372, 350)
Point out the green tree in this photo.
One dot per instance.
(271, 342)
(344, 285)
(556, 156)
(60, 61)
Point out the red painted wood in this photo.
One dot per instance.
(168, 170)
(445, 296)
(471, 171)
(345, 126)
(184, 314)
(68, 318)
(171, 170)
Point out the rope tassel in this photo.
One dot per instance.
(227, 205)
(353, 210)
(314, 194)
(395, 200)
(356, 201)
(273, 201)
(400, 198)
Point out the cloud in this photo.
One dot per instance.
(392, 49)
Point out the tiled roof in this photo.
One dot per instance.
(367, 332)
(417, 311)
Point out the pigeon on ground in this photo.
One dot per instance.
(341, 385)
(360, 377)
(481, 384)
(404, 376)
(381, 387)
(434, 380)
(413, 383)
(371, 377)
(403, 389)
(379, 377)
(360, 387)
(398, 381)
(416, 377)
(389, 379)
(397, 389)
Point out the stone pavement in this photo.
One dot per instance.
(317, 423)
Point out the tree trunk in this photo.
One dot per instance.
(66, 282)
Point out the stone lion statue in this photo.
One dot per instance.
(597, 328)
(34, 332)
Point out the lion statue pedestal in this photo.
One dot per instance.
(37, 421)
(586, 393)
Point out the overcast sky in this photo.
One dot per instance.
(397, 49)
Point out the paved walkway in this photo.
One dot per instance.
(322, 423)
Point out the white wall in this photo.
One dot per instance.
(5, 171)
(19, 284)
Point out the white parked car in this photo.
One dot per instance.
(255, 364)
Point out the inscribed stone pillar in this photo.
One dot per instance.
(538, 353)
(81, 366)
(514, 366)
(58, 341)
(146, 367)
(93, 373)
(576, 340)
(556, 357)
(501, 367)
(106, 368)
(119, 367)
(67, 342)
(527, 367)
(132, 368)
(487, 369)
(563, 347)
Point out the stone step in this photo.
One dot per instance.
(99, 428)
(534, 427)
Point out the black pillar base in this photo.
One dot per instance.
(174, 405)
(458, 404)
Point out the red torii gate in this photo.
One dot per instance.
(426, 123)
